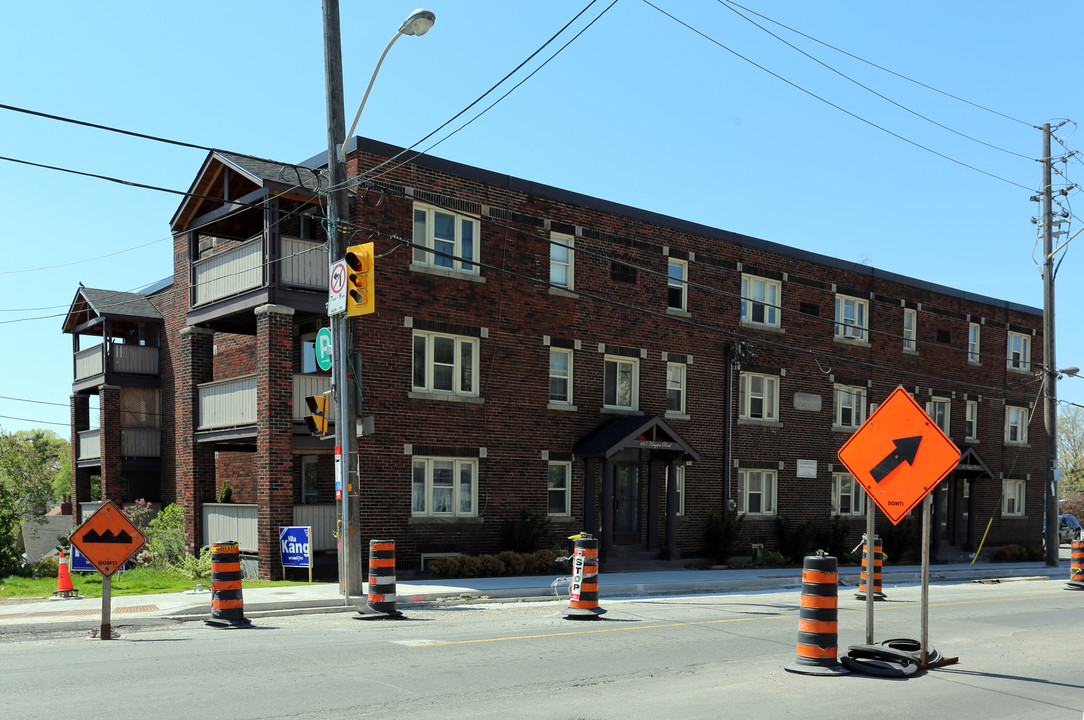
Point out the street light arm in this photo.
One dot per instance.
(357, 115)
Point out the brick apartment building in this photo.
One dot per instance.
(533, 348)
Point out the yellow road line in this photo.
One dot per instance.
(713, 622)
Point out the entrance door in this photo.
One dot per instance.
(626, 505)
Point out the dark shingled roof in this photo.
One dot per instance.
(116, 304)
(626, 431)
(41, 540)
(276, 172)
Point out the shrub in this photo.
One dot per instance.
(771, 558)
(444, 566)
(470, 566)
(225, 493)
(140, 513)
(47, 567)
(541, 562)
(196, 568)
(523, 533)
(795, 542)
(490, 566)
(899, 540)
(1019, 553)
(165, 537)
(722, 535)
(514, 563)
(834, 541)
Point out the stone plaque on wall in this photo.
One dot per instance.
(807, 401)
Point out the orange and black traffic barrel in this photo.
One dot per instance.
(1076, 569)
(227, 603)
(583, 590)
(817, 619)
(381, 600)
(877, 557)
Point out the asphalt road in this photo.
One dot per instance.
(1018, 643)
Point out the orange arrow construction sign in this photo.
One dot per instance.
(107, 539)
(898, 455)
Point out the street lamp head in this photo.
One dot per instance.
(1070, 371)
(418, 23)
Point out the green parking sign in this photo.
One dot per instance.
(323, 348)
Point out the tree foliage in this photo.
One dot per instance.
(56, 456)
(26, 469)
(1071, 450)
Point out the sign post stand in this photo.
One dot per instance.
(899, 455)
(107, 539)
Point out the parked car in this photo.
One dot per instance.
(1069, 529)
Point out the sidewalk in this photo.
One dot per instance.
(51, 615)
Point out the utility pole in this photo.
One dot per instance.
(346, 444)
(1050, 372)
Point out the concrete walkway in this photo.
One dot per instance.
(48, 615)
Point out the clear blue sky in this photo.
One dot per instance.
(639, 110)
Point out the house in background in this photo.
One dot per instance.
(615, 370)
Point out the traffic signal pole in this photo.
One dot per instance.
(346, 445)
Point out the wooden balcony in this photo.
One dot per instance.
(237, 277)
(227, 408)
(114, 363)
(135, 442)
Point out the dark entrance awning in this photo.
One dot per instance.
(972, 467)
(644, 432)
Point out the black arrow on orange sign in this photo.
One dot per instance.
(906, 449)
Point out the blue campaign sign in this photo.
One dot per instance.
(79, 563)
(295, 547)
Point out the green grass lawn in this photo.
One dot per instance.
(137, 581)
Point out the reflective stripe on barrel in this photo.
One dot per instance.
(584, 590)
(227, 602)
(817, 619)
(1076, 569)
(864, 577)
(382, 597)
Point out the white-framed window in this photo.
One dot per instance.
(852, 316)
(445, 363)
(1019, 352)
(309, 480)
(973, 343)
(1016, 425)
(621, 383)
(1012, 498)
(680, 487)
(910, 329)
(971, 420)
(559, 489)
(677, 284)
(456, 237)
(940, 409)
(758, 491)
(308, 354)
(675, 387)
(560, 376)
(758, 396)
(444, 487)
(850, 406)
(562, 257)
(848, 496)
(760, 300)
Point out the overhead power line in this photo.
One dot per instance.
(107, 128)
(832, 104)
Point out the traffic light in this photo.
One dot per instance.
(360, 280)
(319, 413)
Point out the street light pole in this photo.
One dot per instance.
(346, 444)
